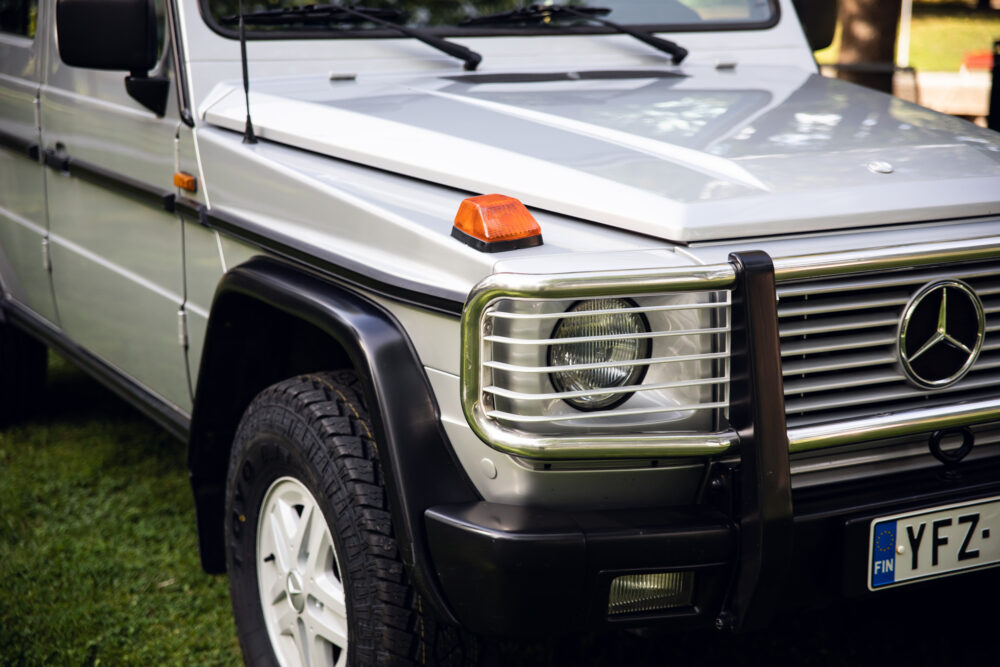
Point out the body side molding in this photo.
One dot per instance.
(339, 268)
(16, 143)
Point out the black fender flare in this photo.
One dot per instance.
(419, 466)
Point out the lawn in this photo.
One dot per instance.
(941, 33)
(98, 556)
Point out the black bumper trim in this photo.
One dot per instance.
(516, 571)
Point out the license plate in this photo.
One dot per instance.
(931, 543)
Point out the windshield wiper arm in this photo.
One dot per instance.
(536, 13)
(324, 14)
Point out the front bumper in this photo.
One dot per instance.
(513, 571)
(516, 571)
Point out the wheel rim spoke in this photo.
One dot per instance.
(287, 622)
(277, 591)
(279, 540)
(318, 547)
(299, 545)
(303, 601)
(329, 594)
(328, 626)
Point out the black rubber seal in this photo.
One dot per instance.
(496, 246)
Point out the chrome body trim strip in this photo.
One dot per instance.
(627, 446)
(892, 425)
(885, 258)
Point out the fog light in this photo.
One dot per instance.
(650, 592)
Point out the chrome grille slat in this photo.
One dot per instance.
(842, 304)
(834, 324)
(881, 396)
(804, 366)
(507, 340)
(987, 361)
(514, 368)
(881, 281)
(631, 412)
(840, 343)
(628, 389)
(831, 381)
(839, 366)
(861, 411)
(499, 314)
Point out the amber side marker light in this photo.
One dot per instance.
(185, 181)
(494, 223)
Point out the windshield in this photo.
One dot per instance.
(448, 15)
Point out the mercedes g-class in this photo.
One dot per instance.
(487, 318)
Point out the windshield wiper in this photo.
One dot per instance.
(326, 14)
(538, 13)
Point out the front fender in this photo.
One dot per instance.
(417, 461)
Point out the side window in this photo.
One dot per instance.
(18, 16)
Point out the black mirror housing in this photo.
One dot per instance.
(819, 21)
(107, 34)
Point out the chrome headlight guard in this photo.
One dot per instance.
(587, 443)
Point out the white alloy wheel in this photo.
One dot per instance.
(299, 580)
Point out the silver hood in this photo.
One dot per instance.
(685, 155)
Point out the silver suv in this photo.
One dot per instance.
(491, 319)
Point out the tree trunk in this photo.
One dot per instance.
(868, 41)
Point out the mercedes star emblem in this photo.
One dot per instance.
(940, 334)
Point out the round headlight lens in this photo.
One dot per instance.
(616, 341)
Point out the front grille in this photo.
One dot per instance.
(838, 343)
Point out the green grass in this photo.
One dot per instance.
(98, 554)
(941, 33)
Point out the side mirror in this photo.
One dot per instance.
(819, 21)
(117, 35)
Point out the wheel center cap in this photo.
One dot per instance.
(293, 585)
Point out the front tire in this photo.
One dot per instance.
(314, 569)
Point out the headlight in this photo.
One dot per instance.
(602, 349)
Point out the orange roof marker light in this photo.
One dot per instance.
(494, 223)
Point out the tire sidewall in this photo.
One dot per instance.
(261, 455)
